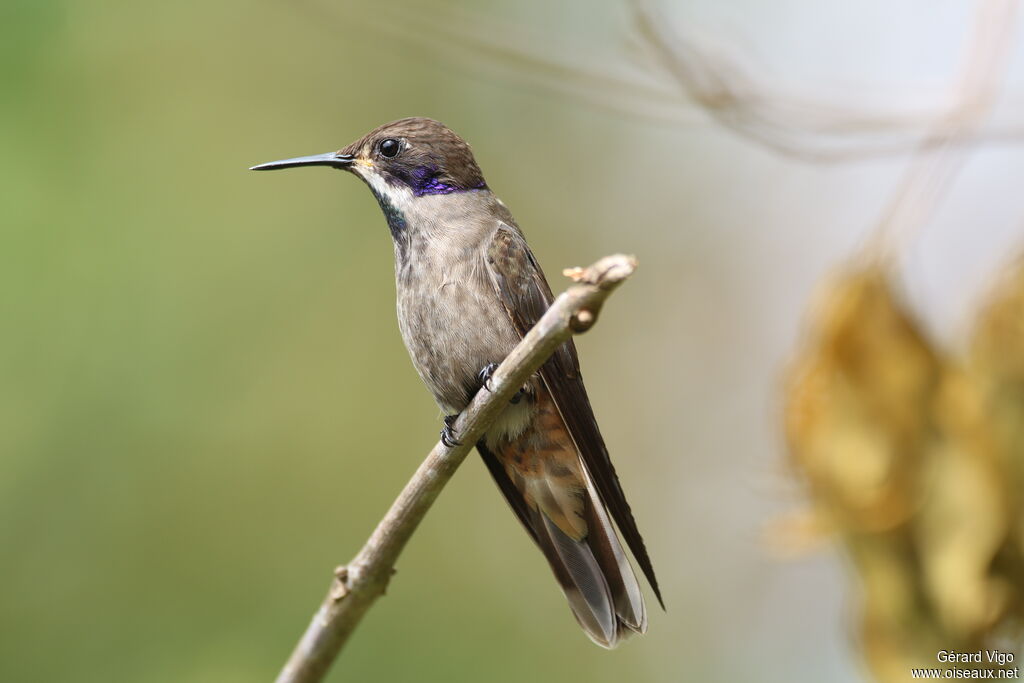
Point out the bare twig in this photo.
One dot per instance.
(943, 153)
(685, 75)
(799, 126)
(357, 585)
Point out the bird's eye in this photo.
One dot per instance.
(389, 148)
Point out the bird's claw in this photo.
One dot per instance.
(486, 374)
(448, 433)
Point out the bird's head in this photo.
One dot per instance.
(407, 158)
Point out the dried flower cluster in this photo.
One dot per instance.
(914, 458)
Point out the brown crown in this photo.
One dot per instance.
(433, 153)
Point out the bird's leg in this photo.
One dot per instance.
(487, 373)
(448, 433)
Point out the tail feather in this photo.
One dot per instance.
(585, 554)
(629, 602)
(583, 582)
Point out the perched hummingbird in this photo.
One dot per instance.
(468, 290)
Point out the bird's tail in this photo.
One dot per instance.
(596, 578)
(548, 487)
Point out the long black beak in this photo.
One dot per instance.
(332, 159)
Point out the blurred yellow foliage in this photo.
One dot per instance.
(915, 459)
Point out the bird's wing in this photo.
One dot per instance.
(525, 294)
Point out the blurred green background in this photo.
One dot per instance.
(204, 401)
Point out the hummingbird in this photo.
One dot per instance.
(468, 289)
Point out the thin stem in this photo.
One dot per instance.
(357, 585)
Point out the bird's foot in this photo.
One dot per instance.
(486, 374)
(448, 433)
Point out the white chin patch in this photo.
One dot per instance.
(398, 195)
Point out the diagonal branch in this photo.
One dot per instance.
(357, 585)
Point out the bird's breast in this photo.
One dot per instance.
(451, 320)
